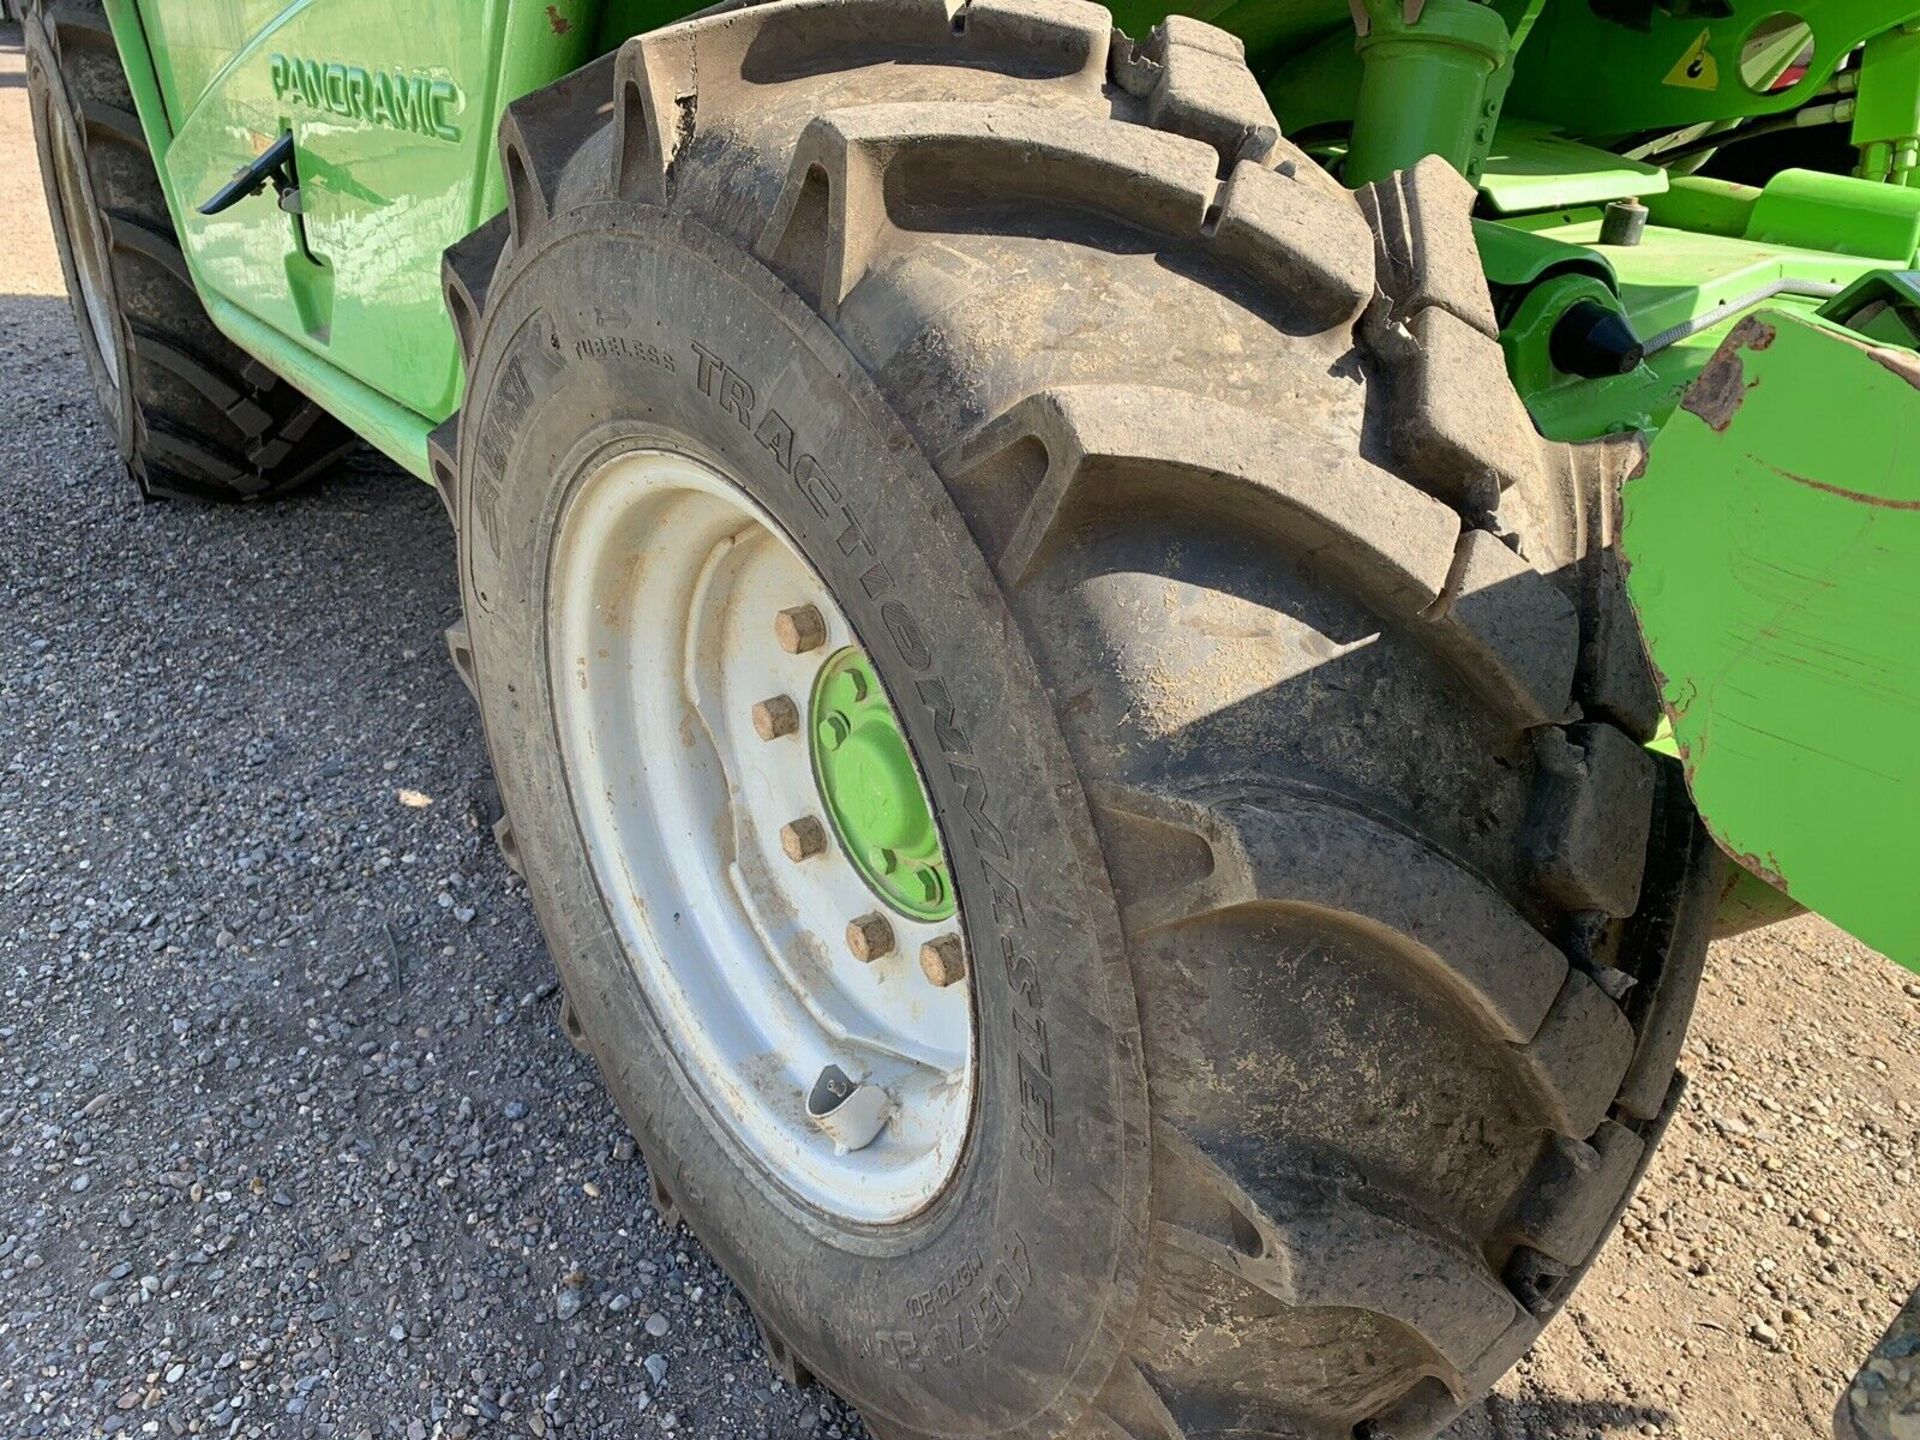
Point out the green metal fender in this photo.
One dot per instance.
(1773, 546)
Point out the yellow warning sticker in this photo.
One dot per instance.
(1697, 69)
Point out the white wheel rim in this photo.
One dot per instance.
(666, 580)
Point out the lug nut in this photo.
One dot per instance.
(943, 960)
(869, 938)
(774, 717)
(800, 629)
(803, 838)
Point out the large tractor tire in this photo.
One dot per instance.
(1324, 936)
(192, 416)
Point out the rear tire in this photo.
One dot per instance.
(192, 416)
(1287, 728)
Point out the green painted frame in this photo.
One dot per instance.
(1774, 559)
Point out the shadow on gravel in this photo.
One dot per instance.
(289, 1140)
(1496, 1418)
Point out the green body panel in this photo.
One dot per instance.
(394, 132)
(399, 432)
(395, 147)
(1774, 551)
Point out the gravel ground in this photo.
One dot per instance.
(290, 1142)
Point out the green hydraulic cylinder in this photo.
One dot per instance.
(1886, 119)
(1427, 86)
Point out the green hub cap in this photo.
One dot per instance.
(872, 791)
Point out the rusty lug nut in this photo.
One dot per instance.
(869, 938)
(803, 838)
(800, 629)
(774, 717)
(943, 960)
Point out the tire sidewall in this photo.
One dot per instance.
(52, 105)
(623, 328)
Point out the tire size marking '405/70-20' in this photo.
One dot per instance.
(950, 1323)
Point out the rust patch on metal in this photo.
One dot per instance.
(1767, 868)
(1751, 864)
(557, 22)
(1858, 497)
(1717, 395)
(1722, 388)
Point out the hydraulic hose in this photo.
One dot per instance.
(1813, 289)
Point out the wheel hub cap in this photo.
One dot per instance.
(872, 790)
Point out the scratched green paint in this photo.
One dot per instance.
(1774, 546)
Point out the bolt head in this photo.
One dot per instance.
(943, 960)
(803, 838)
(775, 716)
(800, 629)
(869, 938)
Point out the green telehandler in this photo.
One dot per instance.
(1130, 657)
